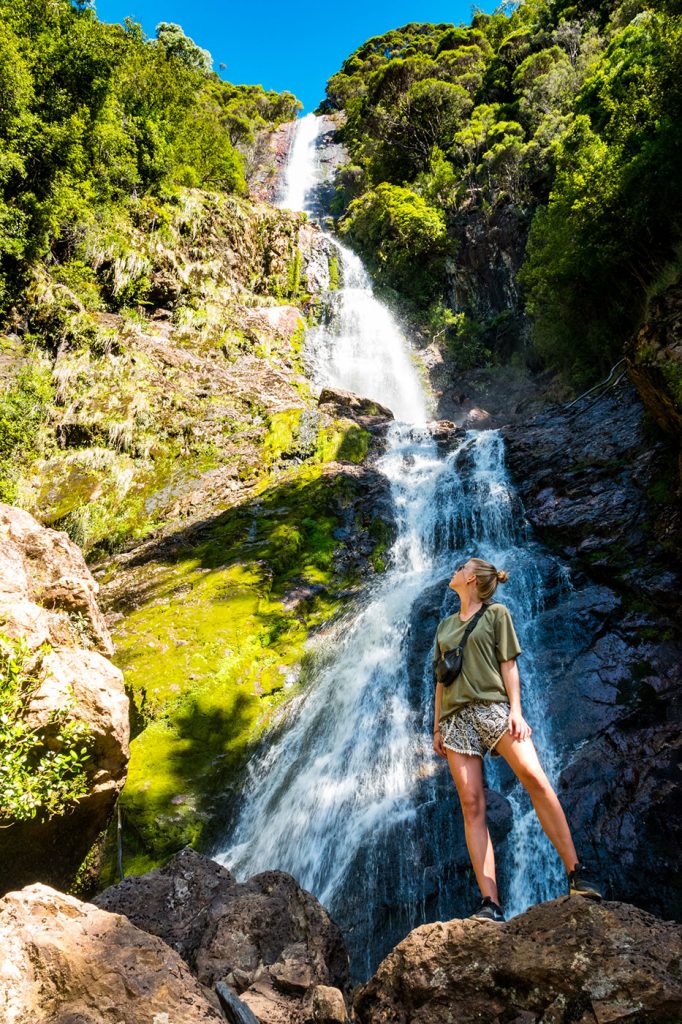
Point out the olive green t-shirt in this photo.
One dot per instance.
(493, 640)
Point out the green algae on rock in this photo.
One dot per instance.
(212, 629)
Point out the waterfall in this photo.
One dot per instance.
(300, 171)
(346, 792)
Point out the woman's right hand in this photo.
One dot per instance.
(438, 744)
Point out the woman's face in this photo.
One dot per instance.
(460, 577)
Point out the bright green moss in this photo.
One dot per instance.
(344, 441)
(282, 433)
(213, 647)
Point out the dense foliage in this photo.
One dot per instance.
(570, 115)
(43, 769)
(94, 116)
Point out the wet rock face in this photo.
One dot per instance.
(266, 162)
(594, 487)
(271, 942)
(570, 960)
(589, 478)
(69, 962)
(48, 597)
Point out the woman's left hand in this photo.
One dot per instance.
(519, 728)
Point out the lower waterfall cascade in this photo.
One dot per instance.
(345, 791)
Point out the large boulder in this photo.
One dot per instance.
(47, 592)
(367, 412)
(570, 960)
(270, 941)
(48, 598)
(67, 962)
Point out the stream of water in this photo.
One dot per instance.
(346, 793)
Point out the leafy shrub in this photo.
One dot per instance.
(22, 411)
(42, 770)
(402, 237)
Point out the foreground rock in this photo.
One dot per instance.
(48, 598)
(565, 961)
(337, 402)
(67, 961)
(270, 941)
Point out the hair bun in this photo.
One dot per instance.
(502, 576)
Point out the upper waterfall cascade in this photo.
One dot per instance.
(346, 792)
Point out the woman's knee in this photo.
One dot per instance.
(472, 802)
(535, 782)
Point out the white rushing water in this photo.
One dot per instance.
(341, 791)
(299, 177)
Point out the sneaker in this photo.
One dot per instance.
(580, 883)
(488, 911)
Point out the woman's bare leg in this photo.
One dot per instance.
(522, 758)
(467, 773)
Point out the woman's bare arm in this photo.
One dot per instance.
(437, 738)
(518, 727)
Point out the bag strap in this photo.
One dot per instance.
(474, 622)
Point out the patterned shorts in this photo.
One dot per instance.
(476, 728)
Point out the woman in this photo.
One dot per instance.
(480, 711)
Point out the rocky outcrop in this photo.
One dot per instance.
(654, 360)
(271, 942)
(67, 961)
(337, 402)
(570, 961)
(47, 592)
(265, 160)
(48, 597)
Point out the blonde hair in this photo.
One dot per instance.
(487, 577)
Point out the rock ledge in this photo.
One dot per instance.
(569, 961)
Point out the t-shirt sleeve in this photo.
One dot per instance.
(507, 644)
(435, 656)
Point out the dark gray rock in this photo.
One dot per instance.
(267, 939)
(597, 488)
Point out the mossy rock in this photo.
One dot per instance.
(214, 637)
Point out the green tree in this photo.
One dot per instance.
(403, 238)
(175, 43)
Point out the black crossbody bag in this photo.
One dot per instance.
(449, 664)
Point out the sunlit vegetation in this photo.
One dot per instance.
(95, 116)
(569, 114)
(43, 767)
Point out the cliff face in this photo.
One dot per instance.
(182, 448)
(482, 276)
(597, 489)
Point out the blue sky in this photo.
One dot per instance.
(283, 45)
